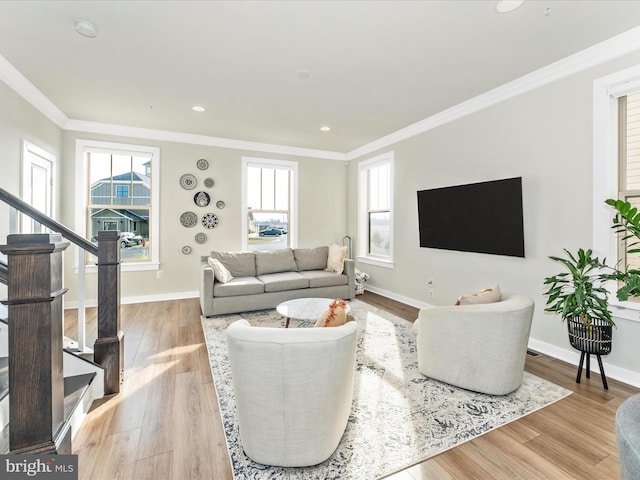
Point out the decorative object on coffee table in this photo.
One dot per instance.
(305, 309)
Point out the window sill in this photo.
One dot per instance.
(376, 261)
(625, 310)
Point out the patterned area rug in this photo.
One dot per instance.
(399, 417)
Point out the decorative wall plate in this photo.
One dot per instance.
(201, 199)
(208, 182)
(210, 220)
(188, 219)
(188, 181)
(186, 249)
(200, 238)
(202, 164)
(220, 204)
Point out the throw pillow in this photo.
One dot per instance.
(488, 295)
(219, 270)
(335, 260)
(335, 315)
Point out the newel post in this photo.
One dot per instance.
(36, 407)
(108, 349)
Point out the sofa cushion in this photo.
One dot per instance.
(222, 274)
(321, 278)
(238, 286)
(239, 264)
(335, 260)
(311, 258)
(488, 295)
(277, 282)
(275, 261)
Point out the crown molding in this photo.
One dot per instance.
(27, 90)
(193, 139)
(607, 50)
(610, 49)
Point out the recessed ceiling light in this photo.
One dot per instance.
(86, 28)
(198, 108)
(506, 6)
(325, 128)
(303, 74)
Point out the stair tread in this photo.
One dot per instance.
(75, 388)
(4, 314)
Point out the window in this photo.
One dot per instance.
(37, 184)
(269, 197)
(629, 164)
(616, 158)
(375, 210)
(119, 187)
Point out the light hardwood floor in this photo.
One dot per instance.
(165, 424)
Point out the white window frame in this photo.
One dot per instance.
(82, 194)
(293, 207)
(363, 225)
(606, 92)
(34, 155)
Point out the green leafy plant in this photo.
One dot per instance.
(626, 223)
(579, 292)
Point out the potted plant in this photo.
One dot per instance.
(580, 297)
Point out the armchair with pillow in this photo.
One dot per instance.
(477, 346)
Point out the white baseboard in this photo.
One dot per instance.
(566, 355)
(573, 357)
(140, 299)
(395, 296)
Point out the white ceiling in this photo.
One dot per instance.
(375, 66)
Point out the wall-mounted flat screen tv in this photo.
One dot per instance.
(483, 217)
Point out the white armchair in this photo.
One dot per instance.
(293, 389)
(477, 347)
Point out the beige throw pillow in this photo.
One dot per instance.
(488, 295)
(219, 270)
(335, 261)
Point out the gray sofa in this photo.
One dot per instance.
(263, 279)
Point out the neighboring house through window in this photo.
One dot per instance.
(375, 210)
(269, 203)
(119, 182)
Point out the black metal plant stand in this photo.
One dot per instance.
(591, 339)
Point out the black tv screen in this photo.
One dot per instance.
(483, 217)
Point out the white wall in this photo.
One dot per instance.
(321, 198)
(544, 136)
(20, 121)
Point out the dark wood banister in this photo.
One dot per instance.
(48, 222)
(35, 418)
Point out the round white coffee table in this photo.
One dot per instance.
(305, 309)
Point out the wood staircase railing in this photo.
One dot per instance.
(33, 275)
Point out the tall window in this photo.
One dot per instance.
(270, 198)
(629, 163)
(120, 193)
(375, 212)
(37, 184)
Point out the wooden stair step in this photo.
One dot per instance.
(75, 388)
